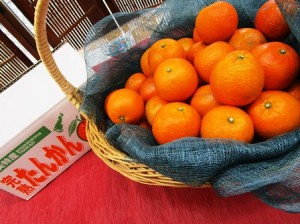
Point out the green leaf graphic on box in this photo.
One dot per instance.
(58, 127)
(72, 126)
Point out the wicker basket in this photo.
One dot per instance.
(113, 157)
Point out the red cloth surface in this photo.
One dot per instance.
(90, 192)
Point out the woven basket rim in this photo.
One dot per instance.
(111, 156)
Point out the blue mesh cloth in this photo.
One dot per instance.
(270, 169)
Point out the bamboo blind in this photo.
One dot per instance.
(11, 67)
(13, 63)
(133, 5)
(71, 20)
(67, 20)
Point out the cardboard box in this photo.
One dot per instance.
(41, 132)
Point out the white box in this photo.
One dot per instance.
(39, 129)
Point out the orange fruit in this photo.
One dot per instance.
(203, 100)
(270, 21)
(237, 79)
(280, 62)
(152, 106)
(148, 89)
(207, 58)
(145, 64)
(216, 22)
(294, 90)
(273, 113)
(175, 120)
(186, 42)
(194, 50)
(175, 79)
(162, 50)
(227, 122)
(247, 39)
(196, 37)
(135, 81)
(124, 106)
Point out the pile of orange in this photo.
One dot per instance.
(222, 82)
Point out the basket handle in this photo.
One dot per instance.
(72, 93)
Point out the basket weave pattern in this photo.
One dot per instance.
(111, 156)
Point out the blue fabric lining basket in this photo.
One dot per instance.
(270, 169)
